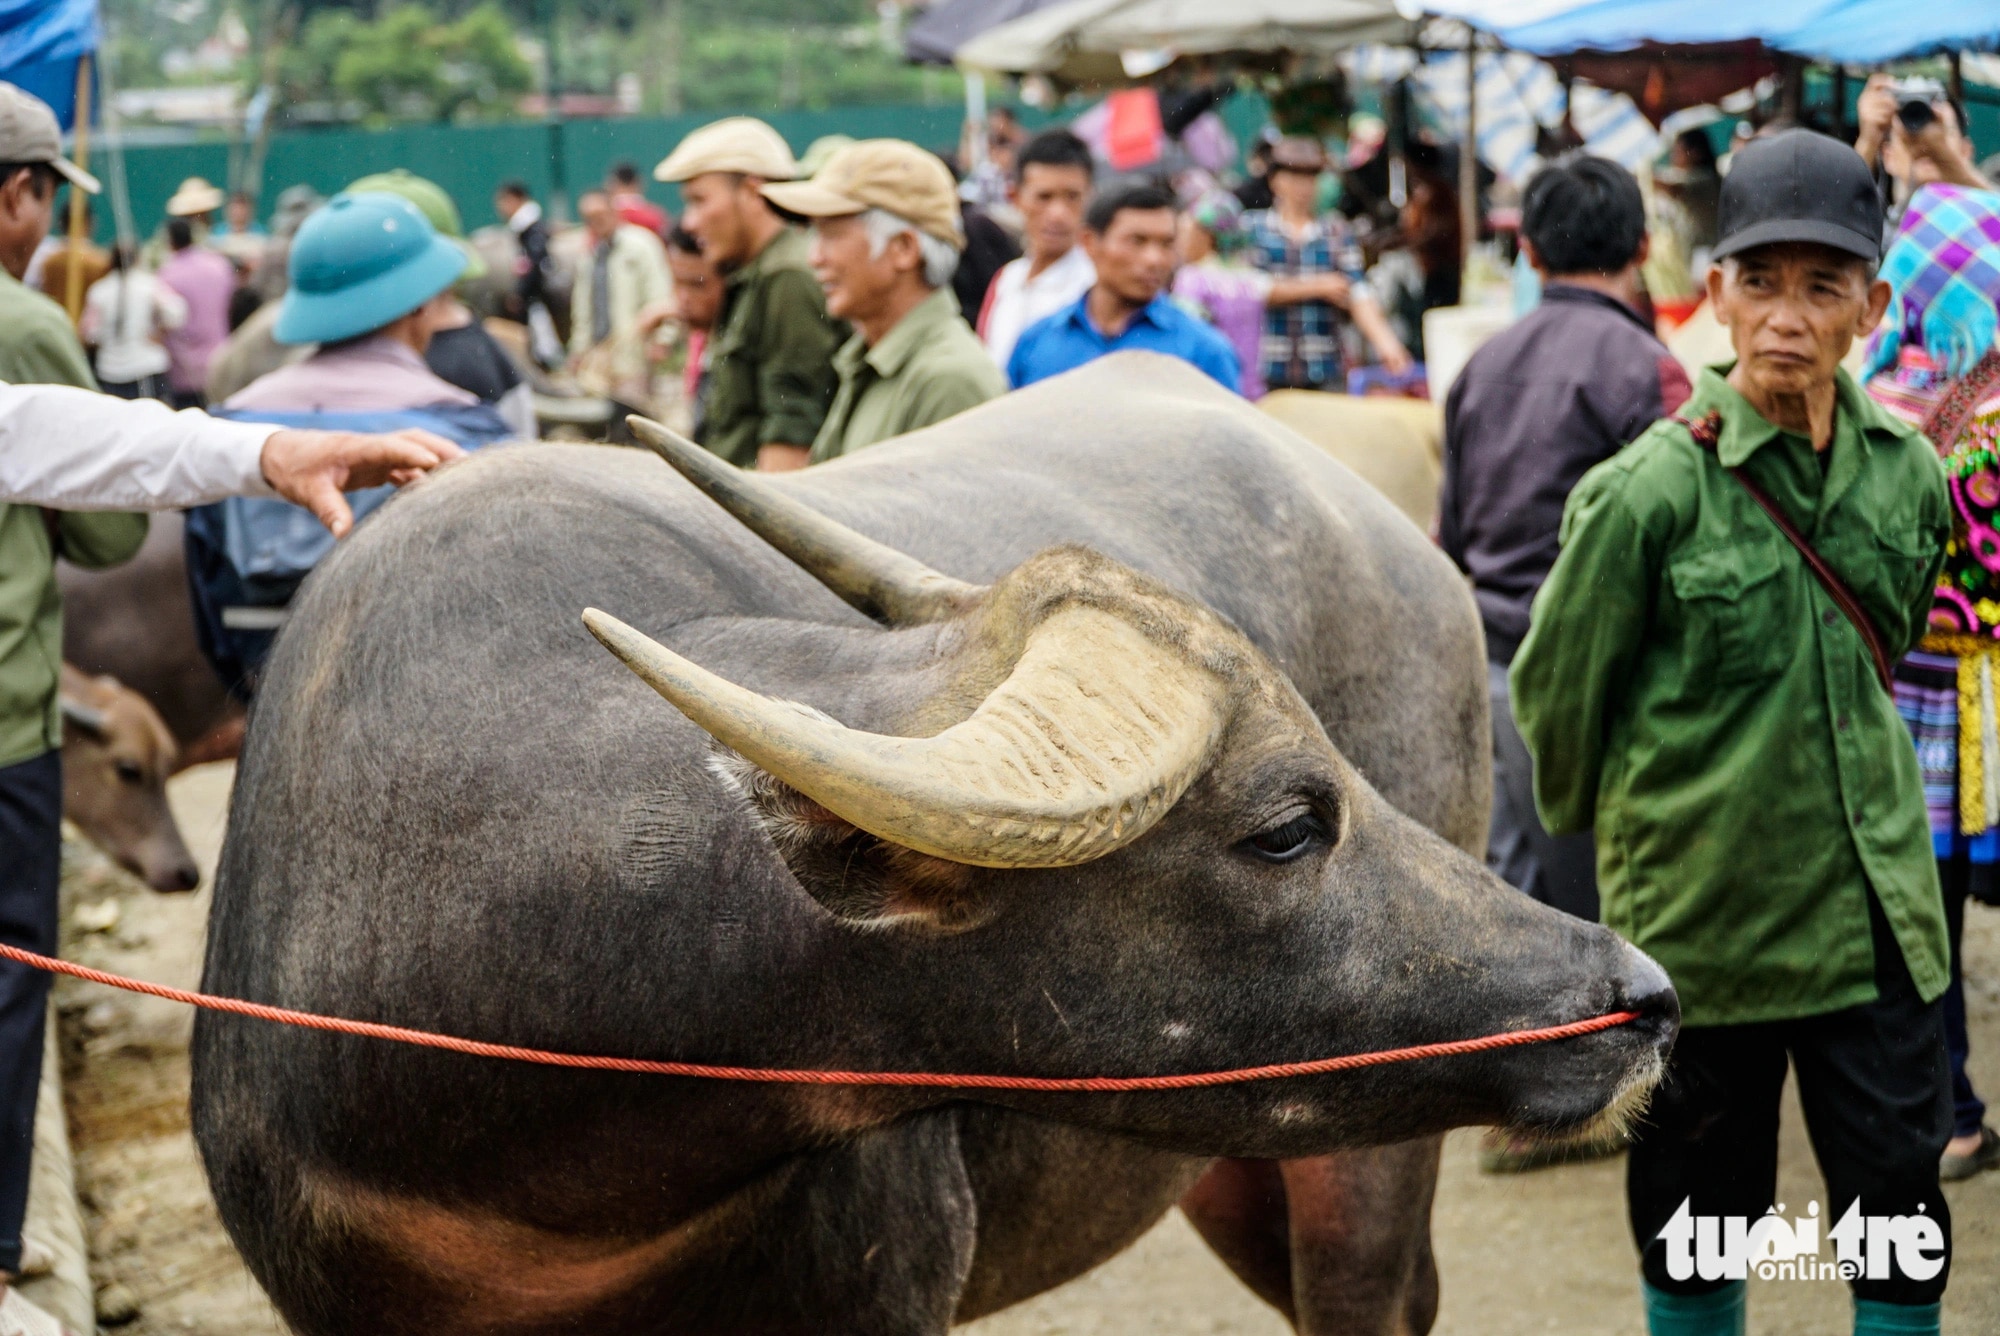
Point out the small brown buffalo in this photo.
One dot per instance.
(136, 622)
(116, 756)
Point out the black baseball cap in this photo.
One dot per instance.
(1799, 186)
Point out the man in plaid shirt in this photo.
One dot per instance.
(1302, 338)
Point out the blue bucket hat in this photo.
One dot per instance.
(359, 263)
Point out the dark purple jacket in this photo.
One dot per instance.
(1537, 407)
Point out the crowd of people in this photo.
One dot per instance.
(1040, 259)
(1741, 627)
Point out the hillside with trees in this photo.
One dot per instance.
(323, 62)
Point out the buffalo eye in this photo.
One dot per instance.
(129, 772)
(1293, 839)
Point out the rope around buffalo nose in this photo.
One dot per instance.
(781, 1076)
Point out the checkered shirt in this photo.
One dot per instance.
(1945, 269)
(1301, 346)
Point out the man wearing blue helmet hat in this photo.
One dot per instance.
(370, 284)
(370, 279)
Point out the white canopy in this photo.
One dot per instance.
(1046, 41)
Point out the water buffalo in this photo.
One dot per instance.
(116, 756)
(1135, 736)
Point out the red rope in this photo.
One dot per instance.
(647, 1066)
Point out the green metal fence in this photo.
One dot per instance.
(469, 160)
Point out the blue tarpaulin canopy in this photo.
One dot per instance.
(40, 44)
(1621, 25)
(1862, 32)
(1867, 32)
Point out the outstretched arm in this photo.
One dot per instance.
(70, 449)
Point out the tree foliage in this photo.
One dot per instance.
(387, 60)
(407, 65)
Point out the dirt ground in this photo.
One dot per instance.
(1546, 1252)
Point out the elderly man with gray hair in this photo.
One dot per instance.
(886, 240)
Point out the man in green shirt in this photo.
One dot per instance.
(886, 238)
(38, 346)
(770, 359)
(1691, 689)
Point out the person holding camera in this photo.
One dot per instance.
(1912, 130)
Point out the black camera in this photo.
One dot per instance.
(1917, 102)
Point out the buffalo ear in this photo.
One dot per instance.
(855, 875)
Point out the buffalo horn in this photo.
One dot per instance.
(1095, 733)
(873, 578)
(87, 719)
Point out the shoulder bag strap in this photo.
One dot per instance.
(1953, 411)
(1707, 431)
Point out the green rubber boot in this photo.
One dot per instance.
(1716, 1314)
(1879, 1319)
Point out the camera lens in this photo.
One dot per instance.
(1916, 114)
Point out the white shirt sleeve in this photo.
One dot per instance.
(71, 449)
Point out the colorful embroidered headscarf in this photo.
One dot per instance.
(1218, 213)
(1945, 269)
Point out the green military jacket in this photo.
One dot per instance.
(931, 366)
(37, 346)
(1688, 688)
(770, 366)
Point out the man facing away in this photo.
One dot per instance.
(1129, 236)
(1694, 688)
(1051, 189)
(1536, 407)
(204, 280)
(886, 236)
(770, 360)
(371, 286)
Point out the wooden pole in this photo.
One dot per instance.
(73, 269)
(1468, 158)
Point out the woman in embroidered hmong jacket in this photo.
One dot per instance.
(1935, 365)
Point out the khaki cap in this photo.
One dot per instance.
(738, 144)
(28, 133)
(887, 174)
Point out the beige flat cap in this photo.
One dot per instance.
(887, 174)
(28, 133)
(738, 144)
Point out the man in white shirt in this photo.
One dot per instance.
(1051, 188)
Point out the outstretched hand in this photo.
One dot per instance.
(313, 468)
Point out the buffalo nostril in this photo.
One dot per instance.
(1646, 989)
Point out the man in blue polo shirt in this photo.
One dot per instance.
(1129, 236)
